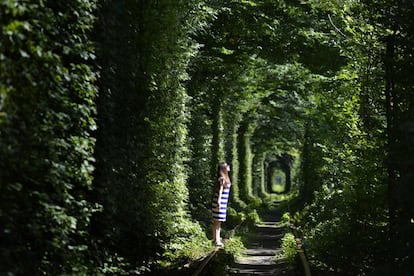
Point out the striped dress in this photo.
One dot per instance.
(220, 214)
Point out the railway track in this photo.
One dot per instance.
(259, 258)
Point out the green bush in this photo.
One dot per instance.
(289, 247)
(234, 218)
(285, 218)
(234, 246)
(252, 218)
(190, 243)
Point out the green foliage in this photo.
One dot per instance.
(286, 218)
(234, 246)
(290, 249)
(190, 243)
(252, 218)
(348, 192)
(234, 218)
(255, 203)
(142, 146)
(355, 183)
(47, 111)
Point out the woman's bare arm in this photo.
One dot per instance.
(220, 192)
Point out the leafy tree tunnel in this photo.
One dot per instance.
(114, 115)
(278, 171)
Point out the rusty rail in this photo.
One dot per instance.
(206, 261)
(301, 251)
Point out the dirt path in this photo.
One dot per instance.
(263, 246)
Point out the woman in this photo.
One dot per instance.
(220, 199)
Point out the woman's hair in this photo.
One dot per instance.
(222, 172)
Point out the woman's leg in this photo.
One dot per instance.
(216, 231)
